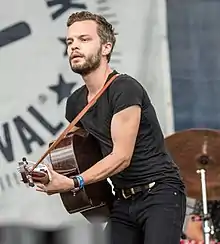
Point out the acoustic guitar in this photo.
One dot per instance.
(72, 153)
(75, 153)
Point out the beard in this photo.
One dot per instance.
(92, 62)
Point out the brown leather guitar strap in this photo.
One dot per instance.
(75, 121)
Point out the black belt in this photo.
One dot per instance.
(128, 192)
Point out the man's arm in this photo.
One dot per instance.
(124, 129)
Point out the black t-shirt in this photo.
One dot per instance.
(150, 161)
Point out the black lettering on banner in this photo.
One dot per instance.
(2, 187)
(52, 129)
(14, 32)
(64, 5)
(6, 146)
(8, 180)
(23, 129)
(16, 178)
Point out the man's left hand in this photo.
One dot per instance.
(58, 183)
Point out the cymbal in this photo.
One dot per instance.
(196, 149)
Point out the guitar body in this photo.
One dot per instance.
(77, 152)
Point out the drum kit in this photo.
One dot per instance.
(197, 154)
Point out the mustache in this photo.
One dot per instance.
(76, 54)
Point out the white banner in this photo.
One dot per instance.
(36, 80)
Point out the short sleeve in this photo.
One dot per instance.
(126, 92)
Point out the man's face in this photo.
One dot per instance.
(84, 47)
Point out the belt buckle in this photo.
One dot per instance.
(124, 195)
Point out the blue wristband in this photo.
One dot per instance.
(81, 181)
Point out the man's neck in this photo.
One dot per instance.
(96, 80)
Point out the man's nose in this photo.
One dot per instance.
(75, 45)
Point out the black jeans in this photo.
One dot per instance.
(155, 216)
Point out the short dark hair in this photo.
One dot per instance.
(105, 30)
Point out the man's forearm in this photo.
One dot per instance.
(108, 166)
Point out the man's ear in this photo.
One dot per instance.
(107, 47)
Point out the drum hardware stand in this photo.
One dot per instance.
(206, 217)
(181, 147)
